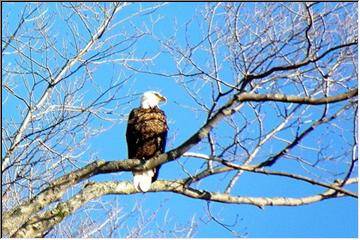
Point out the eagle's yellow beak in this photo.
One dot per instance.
(161, 98)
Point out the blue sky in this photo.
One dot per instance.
(329, 218)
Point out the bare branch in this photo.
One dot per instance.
(36, 225)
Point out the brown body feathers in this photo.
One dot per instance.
(146, 134)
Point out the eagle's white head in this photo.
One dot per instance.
(151, 99)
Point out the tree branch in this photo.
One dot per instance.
(243, 97)
(41, 222)
(58, 188)
(229, 166)
(46, 94)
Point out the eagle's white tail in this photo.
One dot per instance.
(142, 180)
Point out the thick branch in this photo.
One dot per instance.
(258, 201)
(40, 223)
(14, 218)
(296, 99)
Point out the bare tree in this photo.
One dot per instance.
(275, 85)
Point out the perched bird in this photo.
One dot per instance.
(146, 136)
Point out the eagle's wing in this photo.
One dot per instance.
(131, 138)
(146, 137)
(163, 137)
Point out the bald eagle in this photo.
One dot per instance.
(146, 136)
